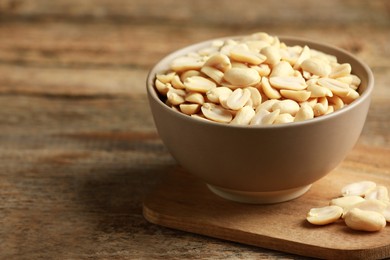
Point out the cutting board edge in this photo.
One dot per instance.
(262, 241)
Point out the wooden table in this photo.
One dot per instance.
(78, 147)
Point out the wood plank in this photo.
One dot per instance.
(183, 202)
(38, 57)
(72, 82)
(62, 44)
(189, 12)
(79, 150)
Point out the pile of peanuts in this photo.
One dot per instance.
(363, 206)
(257, 80)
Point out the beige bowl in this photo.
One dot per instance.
(262, 164)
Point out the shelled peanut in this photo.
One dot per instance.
(363, 206)
(257, 80)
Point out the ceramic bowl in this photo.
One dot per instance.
(262, 164)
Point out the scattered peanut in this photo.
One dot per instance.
(372, 205)
(378, 193)
(358, 188)
(364, 206)
(324, 215)
(346, 202)
(253, 78)
(364, 220)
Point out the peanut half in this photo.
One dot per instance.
(364, 206)
(364, 220)
(232, 74)
(358, 188)
(324, 215)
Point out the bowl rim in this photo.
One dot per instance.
(151, 91)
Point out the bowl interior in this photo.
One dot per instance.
(358, 67)
(274, 162)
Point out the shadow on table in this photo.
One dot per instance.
(113, 198)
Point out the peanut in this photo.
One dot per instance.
(243, 116)
(198, 84)
(268, 90)
(286, 106)
(264, 117)
(177, 83)
(318, 91)
(213, 73)
(272, 55)
(194, 97)
(189, 73)
(216, 113)
(226, 78)
(263, 69)
(324, 215)
(219, 61)
(238, 98)
(305, 54)
(255, 96)
(366, 214)
(187, 63)
(257, 45)
(378, 193)
(364, 220)
(321, 107)
(166, 78)
(291, 83)
(305, 112)
(338, 88)
(297, 95)
(247, 56)
(189, 109)
(284, 118)
(242, 76)
(372, 205)
(161, 87)
(282, 69)
(341, 70)
(358, 188)
(175, 97)
(267, 105)
(316, 67)
(336, 102)
(346, 202)
(217, 94)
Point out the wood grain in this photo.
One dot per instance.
(78, 147)
(184, 202)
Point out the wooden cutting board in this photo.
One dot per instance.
(183, 202)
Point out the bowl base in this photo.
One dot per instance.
(259, 197)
